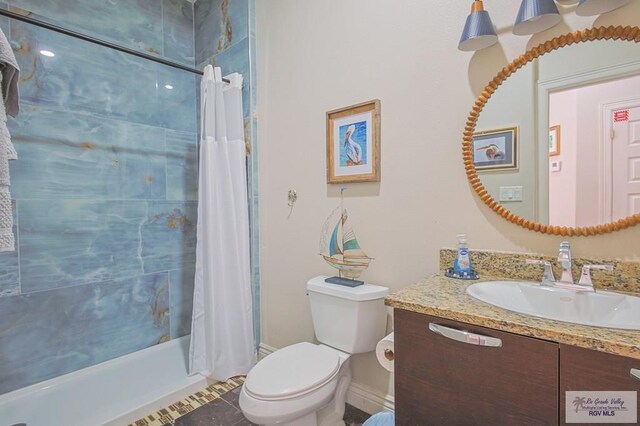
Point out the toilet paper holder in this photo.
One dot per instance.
(385, 352)
(388, 354)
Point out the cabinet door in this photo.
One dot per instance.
(584, 370)
(440, 381)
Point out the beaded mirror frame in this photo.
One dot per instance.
(627, 33)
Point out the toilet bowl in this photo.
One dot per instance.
(303, 385)
(306, 384)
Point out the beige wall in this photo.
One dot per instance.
(321, 55)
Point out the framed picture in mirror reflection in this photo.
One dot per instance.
(554, 140)
(496, 149)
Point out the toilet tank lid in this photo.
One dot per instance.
(361, 293)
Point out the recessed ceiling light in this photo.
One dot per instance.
(168, 86)
(47, 53)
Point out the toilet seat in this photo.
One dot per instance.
(292, 371)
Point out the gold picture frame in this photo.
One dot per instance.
(496, 149)
(353, 143)
(554, 140)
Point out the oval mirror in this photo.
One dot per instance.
(557, 148)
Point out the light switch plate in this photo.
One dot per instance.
(510, 193)
(556, 166)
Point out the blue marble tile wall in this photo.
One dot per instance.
(104, 188)
(225, 37)
(157, 27)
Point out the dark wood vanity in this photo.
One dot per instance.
(441, 381)
(582, 369)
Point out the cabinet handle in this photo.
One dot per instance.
(635, 373)
(466, 337)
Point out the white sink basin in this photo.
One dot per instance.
(600, 309)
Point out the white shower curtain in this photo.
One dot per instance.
(222, 342)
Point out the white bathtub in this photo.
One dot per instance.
(116, 392)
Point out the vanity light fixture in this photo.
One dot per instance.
(596, 7)
(478, 31)
(535, 16)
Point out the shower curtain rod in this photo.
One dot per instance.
(93, 40)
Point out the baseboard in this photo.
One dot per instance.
(362, 397)
(369, 400)
(264, 350)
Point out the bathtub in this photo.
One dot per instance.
(115, 392)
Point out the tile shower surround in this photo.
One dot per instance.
(157, 27)
(105, 207)
(105, 187)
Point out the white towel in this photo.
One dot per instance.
(6, 213)
(7, 152)
(7, 240)
(5, 138)
(11, 76)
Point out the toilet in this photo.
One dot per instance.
(306, 384)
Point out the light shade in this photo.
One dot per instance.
(596, 7)
(478, 31)
(535, 16)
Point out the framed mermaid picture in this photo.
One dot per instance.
(353, 143)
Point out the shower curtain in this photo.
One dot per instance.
(222, 342)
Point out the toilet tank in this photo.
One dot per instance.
(351, 319)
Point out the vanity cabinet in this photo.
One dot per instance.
(442, 381)
(583, 369)
(472, 381)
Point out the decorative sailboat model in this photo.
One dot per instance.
(340, 248)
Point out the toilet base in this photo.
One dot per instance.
(333, 413)
(308, 420)
(330, 414)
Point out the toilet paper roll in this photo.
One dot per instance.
(384, 352)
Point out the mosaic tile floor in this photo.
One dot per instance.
(218, 405)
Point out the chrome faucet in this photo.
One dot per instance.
(548, 279)
(564, 258)
(585, 276)
(566, 279)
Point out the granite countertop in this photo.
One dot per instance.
(447, 298)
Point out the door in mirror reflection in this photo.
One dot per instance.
(594, 160)
(625, 142)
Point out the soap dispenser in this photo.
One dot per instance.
(462, 263)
